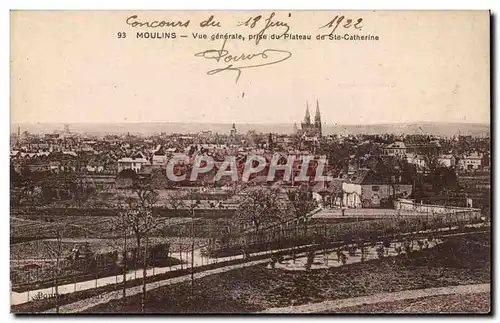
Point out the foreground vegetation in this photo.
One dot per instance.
(458, 261)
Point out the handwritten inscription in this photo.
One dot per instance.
(346, 24)
(253, 22)
(134, 22)
(268, 27)
(264, 58)
(210, 22)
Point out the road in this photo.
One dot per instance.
(331, 306)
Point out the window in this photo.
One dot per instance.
(375, 188)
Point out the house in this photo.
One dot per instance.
(55, 165)
(159, 156)
(397, 148)
(433, 147)
(417, 160)
(135, 164)
(368, 189)
(330, 192)
(447, 160)
(472, 161)
(38, 165)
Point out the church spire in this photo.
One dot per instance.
(317, 117)
(307, 118)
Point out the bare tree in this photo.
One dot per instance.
(140, 219)
(432, 162)
(192, 203)
(302, 203)
(175, 200)
(81, 191)
(57, 253)
(30, 193)
(260, 206)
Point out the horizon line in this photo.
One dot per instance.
(249, 123)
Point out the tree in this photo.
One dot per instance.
(80, 191)
(432, 162)
(139, 218)
(302, 203)
(408, 171)
(15, 177)
(175, 200)
(56, 252)
(260, 206)
(193, 203)
(30, 193)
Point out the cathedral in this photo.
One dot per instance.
(309, 129)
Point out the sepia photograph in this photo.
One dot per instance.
(260, 162)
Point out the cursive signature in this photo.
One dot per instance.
(225, 56)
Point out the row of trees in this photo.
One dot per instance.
(41, 188)
(263, 206)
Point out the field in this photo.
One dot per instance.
(33, 262)
(24, 227)
(458, 261)
(34, 240)
(44, 249)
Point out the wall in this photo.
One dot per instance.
(403, 204)
(357, 196)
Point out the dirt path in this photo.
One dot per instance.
(327, 306)
(105, 298)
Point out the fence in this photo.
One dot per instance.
(301, 233)
(78, 266)
(429, 208)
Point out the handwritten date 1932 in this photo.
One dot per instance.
(264, 58)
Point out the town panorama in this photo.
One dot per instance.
(248, 222)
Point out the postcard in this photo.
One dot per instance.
(250, 162)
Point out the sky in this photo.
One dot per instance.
(426, 66)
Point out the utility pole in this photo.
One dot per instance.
(144, 272)
(192, 252)
(124, 262)
(58, 255)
